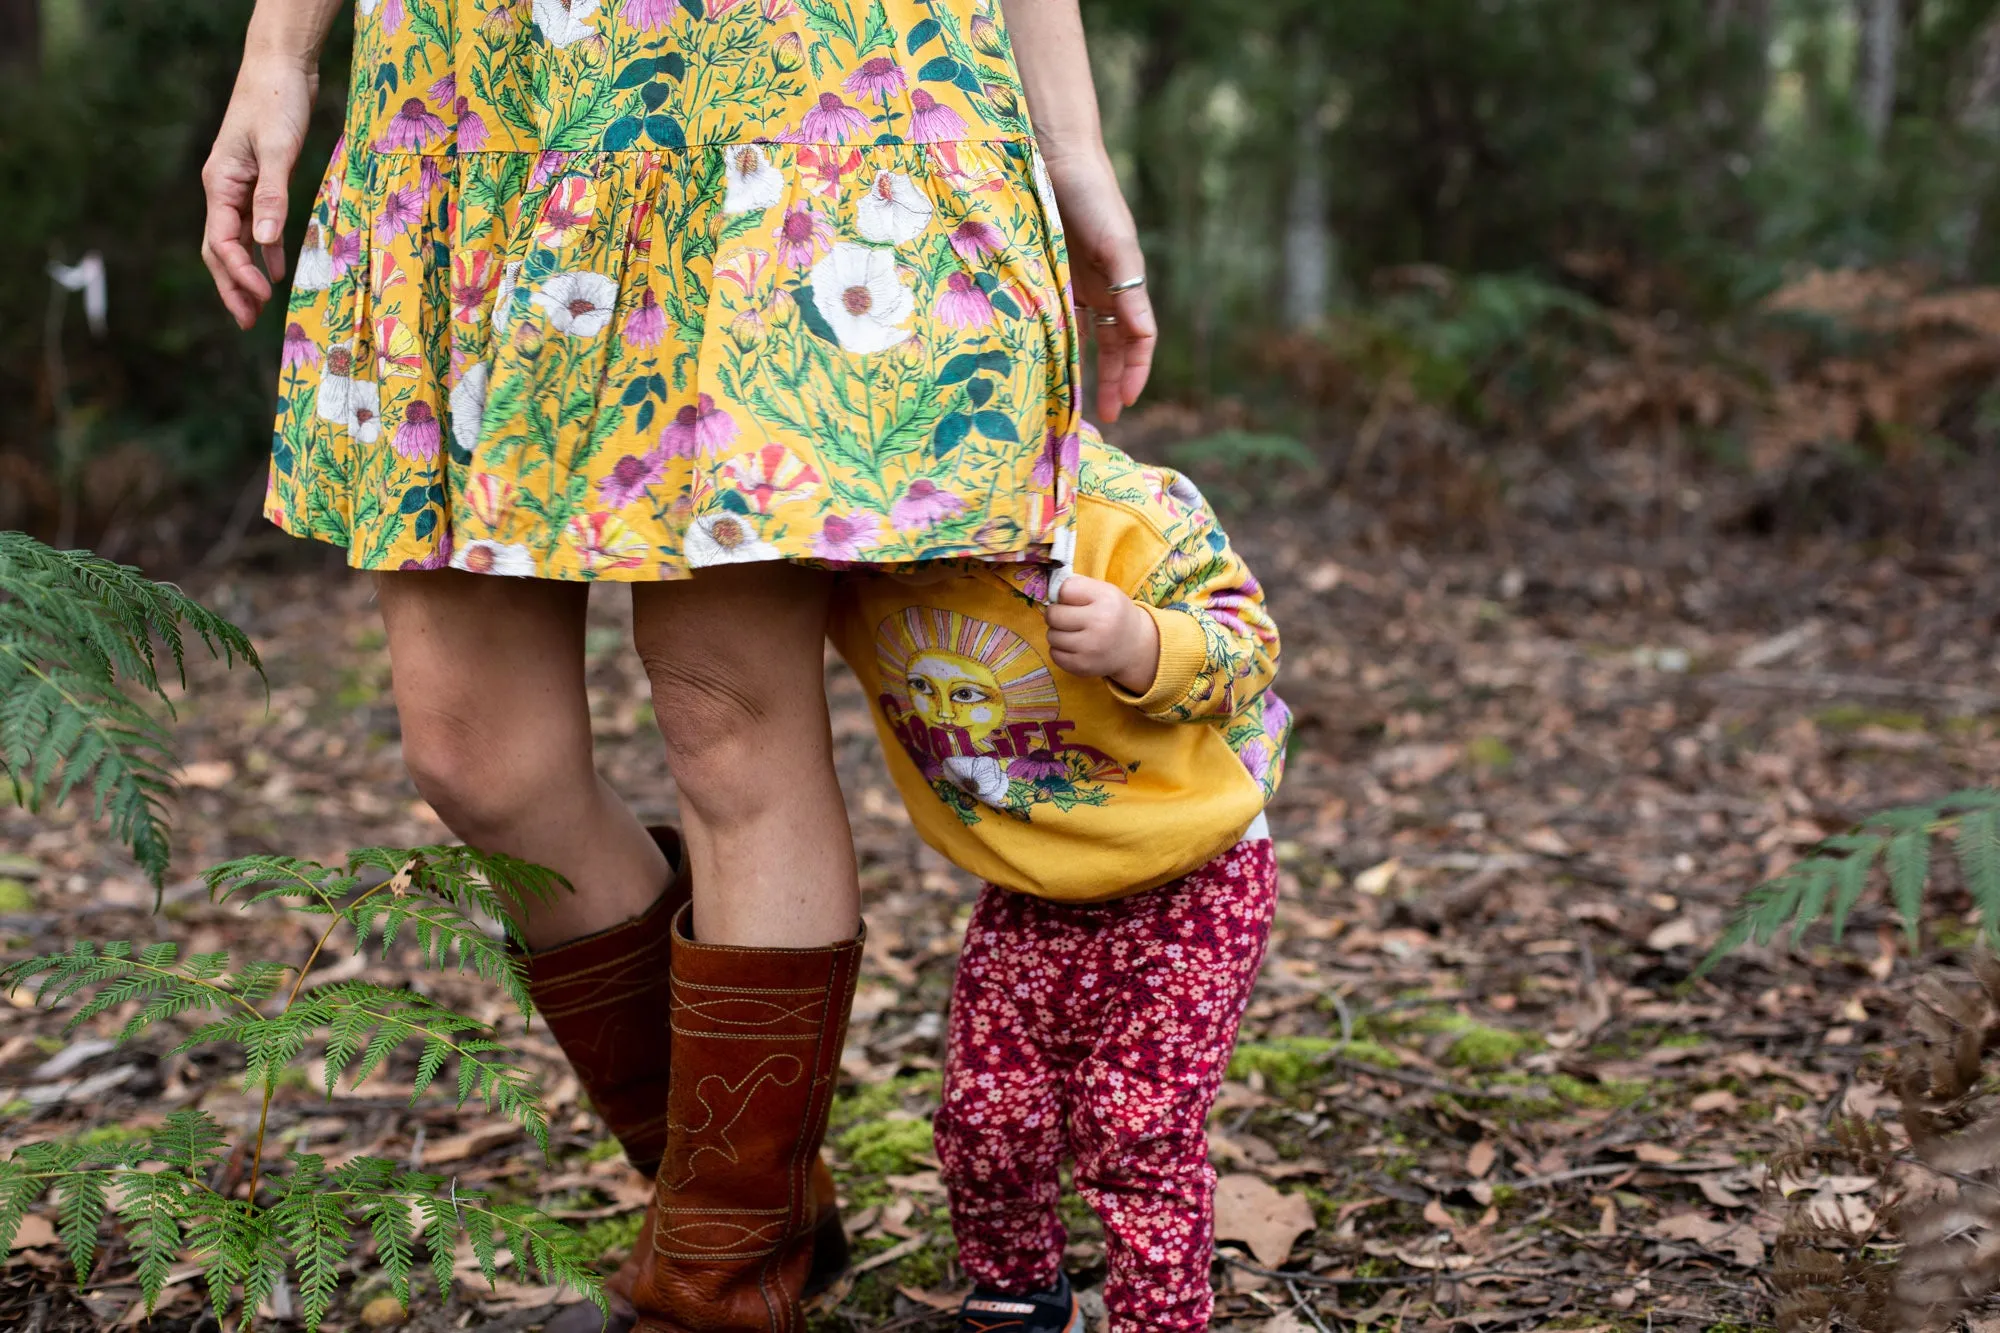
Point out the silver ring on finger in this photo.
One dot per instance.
(1129, 285)
(1105, 321)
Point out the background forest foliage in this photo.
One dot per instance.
(1460, 206)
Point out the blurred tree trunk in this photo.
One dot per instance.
(20, 33)
(1880, 27)
(1308, 270)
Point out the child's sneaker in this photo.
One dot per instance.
(1051, 1311)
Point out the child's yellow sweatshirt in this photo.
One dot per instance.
(1062, 786)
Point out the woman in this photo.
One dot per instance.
(708, 297)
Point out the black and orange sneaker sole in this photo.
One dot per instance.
(1052, 1311)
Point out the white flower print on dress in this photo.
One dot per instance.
(862, 298)
(980, 775)
(578, 303)
(336, 384)
(468, 406)
(513, 560)
(364, 410)
(754, 184)
(315, 270)
(895, 211)
(565, 21)
(726, 539)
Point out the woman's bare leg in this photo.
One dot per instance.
(496, 733)
(736, 658)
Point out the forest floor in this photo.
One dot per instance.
(1477, 1087)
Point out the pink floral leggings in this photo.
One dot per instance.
(1100, 1033)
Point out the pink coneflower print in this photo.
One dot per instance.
(1277, 716)
(630, 476)
(1035, 766)
(699, 429)
(471, 127)
(801, 236)
(924, 504)
(877, 78)
(834, 121)
(846, 536)
(417, 437)
(780, 9)
(547, 166)
(963, 305)
(444, 89)
(645, 326)
(974, 240)
(392, 15)
(648, 15)
(399, 212)
(411, 128)
(299, 350)
(1059, 458)
(933, 122)
(438, 559)
(430, 174)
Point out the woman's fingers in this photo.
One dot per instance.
(228, 180)
(1140, 334)
(275, 160)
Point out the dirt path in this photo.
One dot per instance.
(1523, 794)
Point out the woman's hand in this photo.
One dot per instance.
(1104, 252)
(248, 176)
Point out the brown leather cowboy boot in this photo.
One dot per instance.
(604, 997)
(757, 1035)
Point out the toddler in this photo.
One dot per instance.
(1098, 745)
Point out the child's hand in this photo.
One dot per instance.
(1096, 630)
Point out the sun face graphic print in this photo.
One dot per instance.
(977, 710)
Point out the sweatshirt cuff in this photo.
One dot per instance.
(1183, 653)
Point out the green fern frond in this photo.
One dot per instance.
(1835, 875)
(77, 637)
(438, 898)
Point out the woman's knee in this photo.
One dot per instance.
(453, 762)
(734, 735)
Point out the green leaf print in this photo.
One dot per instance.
(879, 35)
(825, 18)
(694, 7)
(922, 35)
(997, 426)
(638, 72)
(665, 131)
(810, 315)
(967, 364)
(980, 391)
(940, 69)
(951, 432)
(910, 431)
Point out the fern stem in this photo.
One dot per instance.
(270, 1084)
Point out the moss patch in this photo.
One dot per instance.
(16, 898)
(1290, 1063)
(1612, 1092)
(877, 1100)
(612, 1237)
(1490, 753)
(1481, 1047)
(887, 1147)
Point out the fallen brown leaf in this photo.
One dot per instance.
(1249, 1211)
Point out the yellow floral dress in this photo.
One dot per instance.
(618, 289)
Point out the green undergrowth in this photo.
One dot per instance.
(887, 1147)
(1289, 1064)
